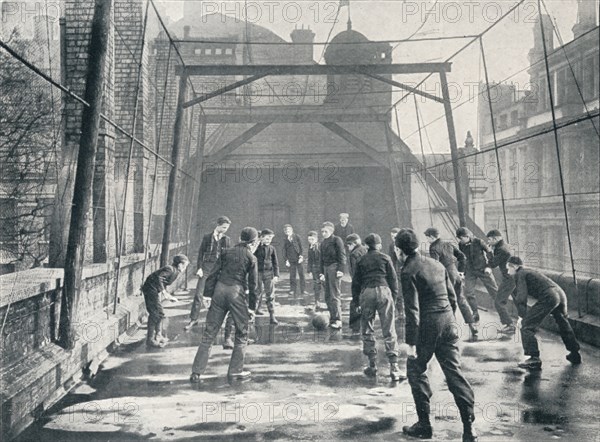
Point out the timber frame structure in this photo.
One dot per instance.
(261, 119)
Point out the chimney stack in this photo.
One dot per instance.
(303, 53)
(537, 53)
(186, 32)
(586, 17)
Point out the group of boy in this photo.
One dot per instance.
(431, 289)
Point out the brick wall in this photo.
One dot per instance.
(35, 371)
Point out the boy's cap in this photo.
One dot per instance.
(372, 240)
(352, 238)
(313, 233)
(287, 226)
(329, 225)
(432, 231)
(178, 259)
(463, 231)
(395, 230)
(495, 233)
(248, 234)
(515, 260)
(223, 220)
(266, 232)
(407, 242)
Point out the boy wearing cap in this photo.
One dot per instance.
(314, 264)
(356, 251)
(449, 255)
(234, 274)
(501, 253)
(476, 267)
(551, 300)
(155, 286)
(374, 288)
(210, 249)
(342, 230)
(392, 247)
(268, 273)
(333, 262)
(429, 301)
(292, 253)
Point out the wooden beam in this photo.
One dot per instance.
(223, 90)
(84, 176)
(358, 143)
(290, 117)
(313, 69)
(235, 143)
(402, 86)
(399, 180)
(177, 140)
(453, 149)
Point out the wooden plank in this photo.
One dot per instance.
(177, 140)
(235, 143)
(313, 69)
(285, 115)
(86, 161)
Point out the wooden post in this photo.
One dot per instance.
(88, 144)
(196, 187)
(399, 183)
(177, 139)
(453, 148)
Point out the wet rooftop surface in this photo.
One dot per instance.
(308, 385)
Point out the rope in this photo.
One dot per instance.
(417, 112)
(557, 145)
(493, 120)
(120, 250)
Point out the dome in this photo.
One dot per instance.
(350, 47)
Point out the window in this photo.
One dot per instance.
(542, 95)
(228, 51)
(589, 86)
(218, 51)
(208, 51)
(503, 122)
(198, 51)
(562, 78)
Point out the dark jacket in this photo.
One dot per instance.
(532, 283)
(266, 258)
(478, 255)
(426, 288)
(314, 258)
(156, 282)
(292, 250)
(333, 252)
(343, 232)
(210, 251)
(375, 269)
(500, 258)
(235, 267)
(448, 254)
(355, 255)
(392, 253)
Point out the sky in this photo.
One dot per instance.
(506, 45)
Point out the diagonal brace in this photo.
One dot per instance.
(358, 143)
(237, 142)
(224, 89)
